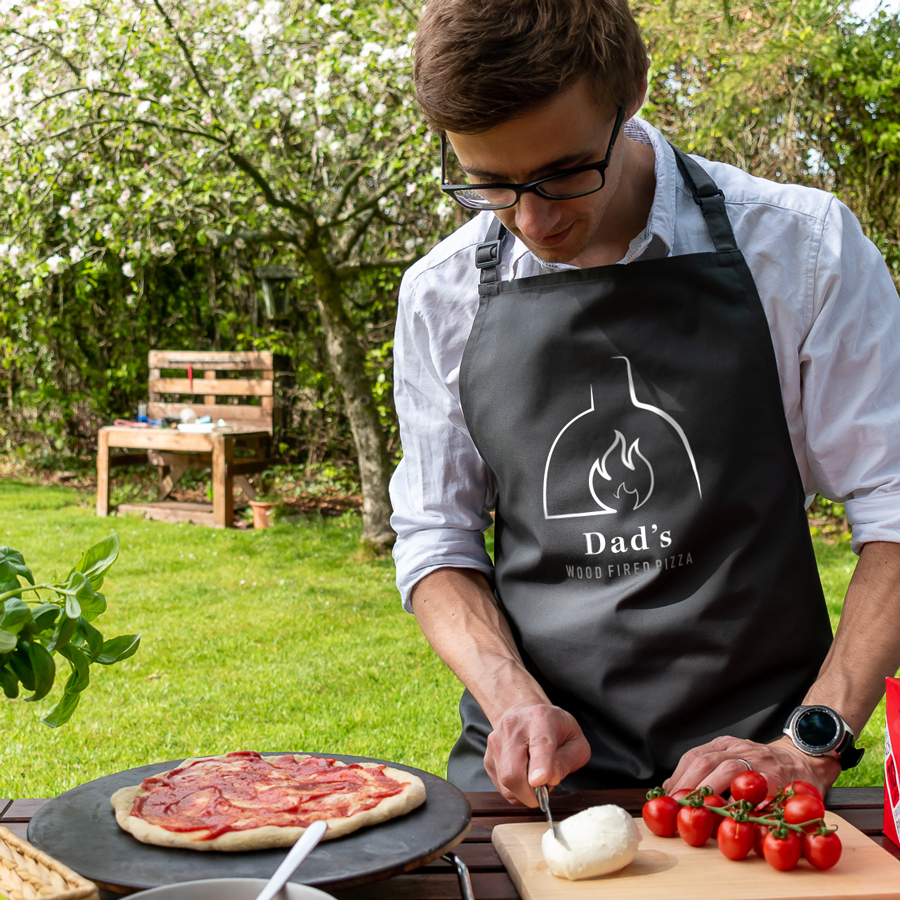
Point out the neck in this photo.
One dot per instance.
(627, 214)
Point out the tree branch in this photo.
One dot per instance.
(50, 49)
(125, 122)
(349, 184)
(248, 168)
(274, 236)
(372, 203)
(361, 228)
(184, 49)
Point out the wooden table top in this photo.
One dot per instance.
(862, 807)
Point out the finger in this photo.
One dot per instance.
(490, 766)
(512, 759)
(543, 766)
(571, 756)
(702, 765)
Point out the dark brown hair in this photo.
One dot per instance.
(479, 63)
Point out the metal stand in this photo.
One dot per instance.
(462, 874)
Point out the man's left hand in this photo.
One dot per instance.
(717, 763)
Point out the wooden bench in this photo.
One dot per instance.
(223, 384)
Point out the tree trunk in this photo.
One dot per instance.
(348, 367)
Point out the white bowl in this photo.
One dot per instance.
(231, 889)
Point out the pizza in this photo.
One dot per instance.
(245, 801)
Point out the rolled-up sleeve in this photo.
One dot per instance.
(850, 365)
(442, 491)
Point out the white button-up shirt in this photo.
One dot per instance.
(832, 309)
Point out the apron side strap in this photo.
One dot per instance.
(487, 258)
(709, 197)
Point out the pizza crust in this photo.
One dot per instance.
(267, 836)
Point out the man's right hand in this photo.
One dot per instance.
(531, 746)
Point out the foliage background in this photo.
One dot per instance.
(119, 239)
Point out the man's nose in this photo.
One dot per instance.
(536, 216)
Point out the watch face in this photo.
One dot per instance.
(817, 728)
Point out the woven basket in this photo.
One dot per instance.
(27, 873)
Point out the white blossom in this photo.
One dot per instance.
(76, 254)
(56, 264)
(128, 270)
(124, 197)
(93, 78)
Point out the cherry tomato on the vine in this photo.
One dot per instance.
(659, 815)
(759, 833)
(749, 786)
(695, 824)
(715, 800)
(735, 839)
(822, 850)
(782, 853)
(802, 808)
(804, 787)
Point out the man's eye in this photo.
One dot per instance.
(566, 185)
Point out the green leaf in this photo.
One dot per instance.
(20, 663)
(12, 567)
(118, 648)
(98, 559)
(92, 603)
(44, 617)
(8, 641)
(73, 607)
(14, 615)
(81, 598)
(81, 676)
(62, 712)
(44, 671)
(86, 634)
(9, 682)
(63, 632)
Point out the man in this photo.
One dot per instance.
(644, 382)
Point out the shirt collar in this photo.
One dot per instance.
(657, 238)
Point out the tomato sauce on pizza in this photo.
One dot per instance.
(244, 790)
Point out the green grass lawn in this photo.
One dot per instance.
(271, 640)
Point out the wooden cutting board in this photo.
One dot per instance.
(668, 869)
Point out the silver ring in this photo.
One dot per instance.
(744, 761)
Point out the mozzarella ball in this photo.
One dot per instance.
(594, 842)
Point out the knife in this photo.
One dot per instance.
(543, 799)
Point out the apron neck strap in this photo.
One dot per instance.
(710, 199)
(487, 258)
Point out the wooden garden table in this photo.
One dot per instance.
(215, 449)
(861, 807)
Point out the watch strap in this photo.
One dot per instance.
(849, 755)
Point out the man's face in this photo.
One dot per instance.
(571, 130)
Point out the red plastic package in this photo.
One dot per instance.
(891, 762)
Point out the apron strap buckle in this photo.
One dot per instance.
(707, 200)
(487, 255)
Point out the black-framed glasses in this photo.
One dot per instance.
(564, 185)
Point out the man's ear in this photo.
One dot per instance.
(642, 95)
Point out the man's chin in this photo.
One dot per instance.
(563, 253)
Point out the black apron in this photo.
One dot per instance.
(652, 552)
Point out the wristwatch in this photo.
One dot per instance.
(820, 731)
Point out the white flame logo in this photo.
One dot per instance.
(609, 469)
(627, 456)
